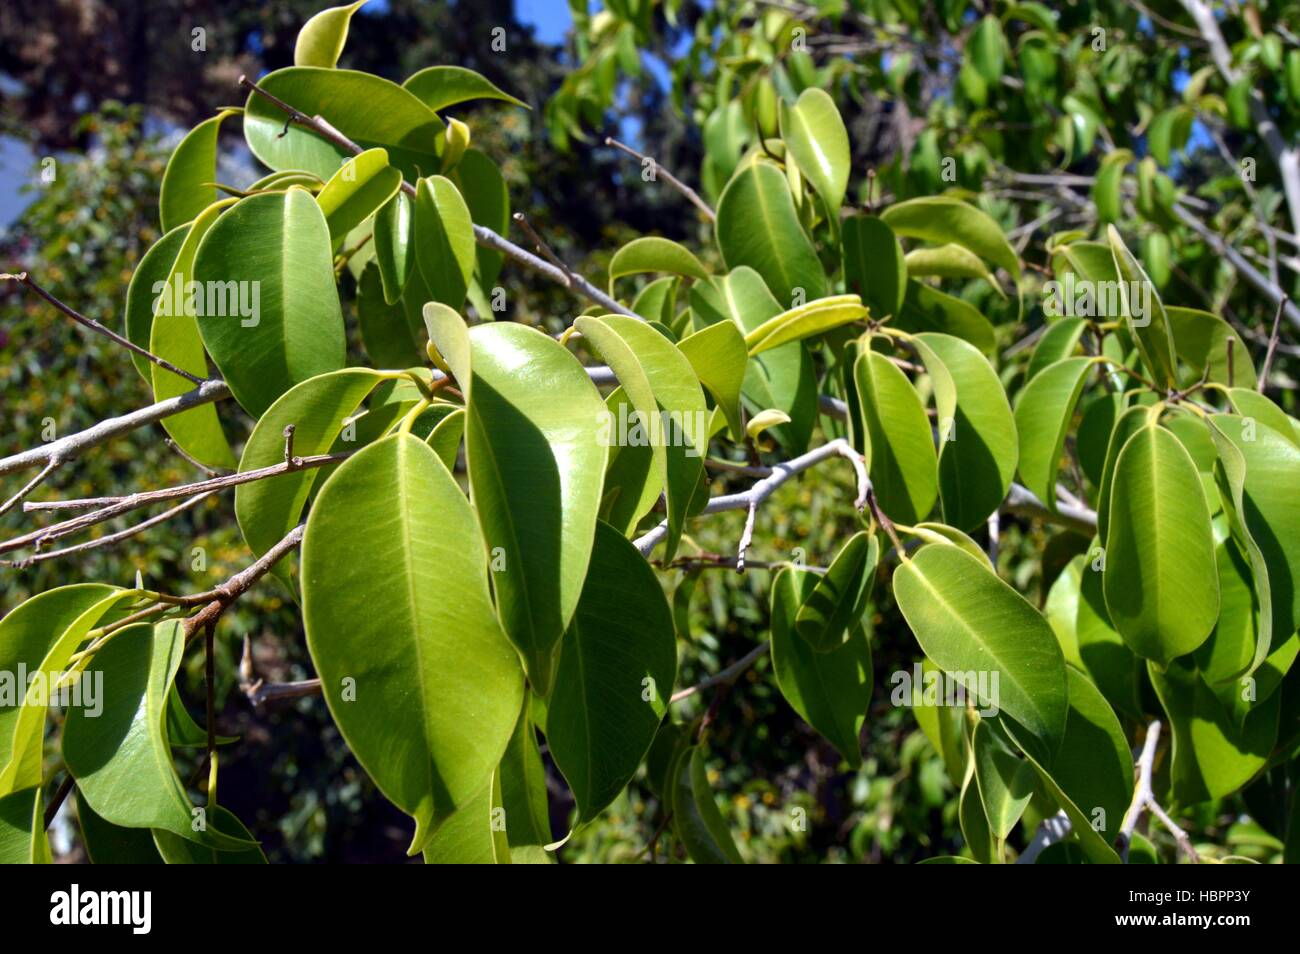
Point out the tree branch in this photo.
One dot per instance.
(668, 177)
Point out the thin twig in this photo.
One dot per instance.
(668, 177)
(100, 329)
(61, 793)
(1142, 794)
(1268, 355)
(239, 584)
(726, 676)
(29, 487)
(539, 243)
(182, 452)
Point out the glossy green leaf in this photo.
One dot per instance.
(523, 786)
(941, 220)
(361, 186)
(978, 445)
(835, 608)
(815, 136)
(367, 109)
(385, 328)
(783, 378)
(830, 690)
(1006, 782)
(617, 667)
(1202, 342)
(476, 834)
(318, 409)
(1044, 412)
(986, 48)
(484, 189)
(764, 420)
(278, 246)
(758, 226)
(320, 41)
(666, 393)
(968, 621)
(1256, 479)
(632, 481)
(187, 183)
(896, 442)
(395, 244)
(654, 254)
(425, 689)
(154, 268)
(696, 819)
(441, 86)
(974, 823)
(174, 335)
(40, 636)
(1144, 312)
(444, 240)
(536, 466)
(807, 320)
(22, 829)
(120, 757)
(948, 261)
(717, 353)
(175, 850)
(874, 265)
(1130, 421)
(1160, 580)
(1058, 341)
(1252, 404)
(1091, 775)
(1106, 658)
(108, 844)
(928, 309)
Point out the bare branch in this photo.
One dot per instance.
(100, 329)
(239, 584)
(29, 487)
(1268, 355)
(72, 446)
(668, 177)
(726, 676)
(522, 221)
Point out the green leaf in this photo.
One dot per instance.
(987, 49)
(361, 186)
(320, 41)
(948, 261)
(175, 850)
(108, 844)
(974, 823)
(874, 265)
(830, 690)
(1106, 188)
(616, 673)
(941, 220)
(1091, 775)
(444, 240)
(928, 309)
(1005, 781)
(536, 467)
(1212, 757)
(1252, 404)
(1130, 421)
(425, 689)
(1160, 581)
(968, 621)
(835, 608)
(476, 834)
(1151, 331)
(1044, 411)
(783, 378)
(653, 254)
(758, 226)
(1059, 340)
(663, 388)
(395, 245)
(896, 442)
(174, 335)
(814, 134)
(386, 331)
(978, 445)
(1256, 481)
(717, 353)
(187, 183)
(277, 245)
(764, 420)
(696, 819)
(40, 636)
(813, 318)
(446, 436)
(523, 786)
(367, 109)
(632, 481)
(1104, 655)
(183, 731)
(441, 86)
(121, 757)
(142, 294)
(484, 188)
(22, 829)
(317, 408)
